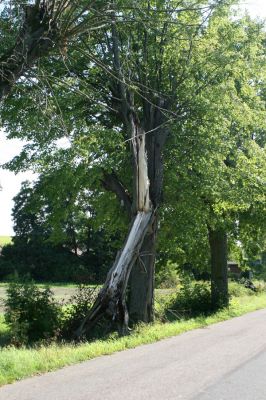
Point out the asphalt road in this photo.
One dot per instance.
(223, 361)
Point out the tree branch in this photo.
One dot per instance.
(111, 183)
(36, 37)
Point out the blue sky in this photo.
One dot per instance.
(9, 148)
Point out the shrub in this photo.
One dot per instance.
(76, 309)
(190, 300)
(167, 276)
(260, 285)
(237, 290)
(31, 313)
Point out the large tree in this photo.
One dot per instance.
(145, 70)
(141, 81)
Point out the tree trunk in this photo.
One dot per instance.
(219, 280)
(111, 300)
(147, 140)
(141, 295)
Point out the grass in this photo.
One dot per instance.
(54, 284)
(23, 362)
(5, 240)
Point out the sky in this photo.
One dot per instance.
(9, 148)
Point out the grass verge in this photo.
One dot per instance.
(23, 362)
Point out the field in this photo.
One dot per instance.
(18, 363)
(5, 240)
(62, 293)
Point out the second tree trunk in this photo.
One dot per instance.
(219, 275)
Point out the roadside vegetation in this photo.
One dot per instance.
(145, 126)
(174, 315)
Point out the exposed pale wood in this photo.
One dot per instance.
(111, 299)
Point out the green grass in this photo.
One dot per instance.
(20, 363)
(5, 240)
(54, 284)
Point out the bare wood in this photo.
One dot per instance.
(111, 300)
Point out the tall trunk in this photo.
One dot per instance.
(219, 279)
(111, 300)
(141, 298)
(147, 141)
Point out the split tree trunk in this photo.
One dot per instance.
(141, 295)
(111, 300)
(219, 275)
(147, 141)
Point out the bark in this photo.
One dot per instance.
(111, 300)
(111, 183)
(219, 279)
(141, 298)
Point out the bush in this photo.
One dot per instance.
(31, 313)
(260, 285)
(191, 299)
(237, 290)
(76, 309)
(167, 276)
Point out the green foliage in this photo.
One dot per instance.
(55, 243)
(43, 261)
(76, 310)
(237, 290)
(31, 313)
(167, 276)
(192, 298)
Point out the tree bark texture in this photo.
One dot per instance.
(111, 300)
(141, 294)
(219, 272)
(141, 297)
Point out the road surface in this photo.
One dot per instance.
(223, 361)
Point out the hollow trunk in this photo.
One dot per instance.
(219, 279)
(141, 297)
